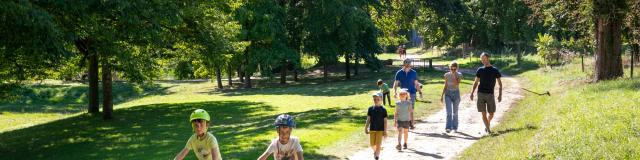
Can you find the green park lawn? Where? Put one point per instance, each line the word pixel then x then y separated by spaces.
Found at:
pixel 580 120
pixel 151 120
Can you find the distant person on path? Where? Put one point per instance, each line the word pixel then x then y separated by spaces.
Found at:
pixel 404 52
pixel 376 125
pixel 451 96
pixel 285 147
pixel 384 89
pixel 203 143
pixel 487 76
pixel 403 117
pixel 400 51
pixel 407 78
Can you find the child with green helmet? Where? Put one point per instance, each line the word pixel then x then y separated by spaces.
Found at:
pixel 203 143
pixel 285 147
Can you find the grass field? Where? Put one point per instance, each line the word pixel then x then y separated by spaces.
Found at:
pixel 580 120
pixel 151 121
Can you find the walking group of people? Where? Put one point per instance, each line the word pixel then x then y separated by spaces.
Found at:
pixel 406 85
pixel 407 80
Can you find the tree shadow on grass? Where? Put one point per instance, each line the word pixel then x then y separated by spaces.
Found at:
pixel 159 131
pixel 70 98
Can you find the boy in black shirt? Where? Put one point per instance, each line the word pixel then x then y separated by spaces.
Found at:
pixel 376 125
pixel 487 77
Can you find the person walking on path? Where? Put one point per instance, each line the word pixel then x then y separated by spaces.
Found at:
pixel 451 96
pixel 384 89
pixel 403 118
pixel 407 78
pixel 399 51
pixel 376 125
pixel 487 76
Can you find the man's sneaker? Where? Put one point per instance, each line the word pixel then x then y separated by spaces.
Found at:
pixel 448 130
pixel 398 147
pixel 405 146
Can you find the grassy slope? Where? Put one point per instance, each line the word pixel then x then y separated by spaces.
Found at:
pixel 154 125
pixel 579 121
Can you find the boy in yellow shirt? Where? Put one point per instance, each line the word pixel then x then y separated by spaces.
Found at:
pixel 203 143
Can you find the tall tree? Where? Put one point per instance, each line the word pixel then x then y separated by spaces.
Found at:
pixel 263 25
pixel 609 16
pixel 126 33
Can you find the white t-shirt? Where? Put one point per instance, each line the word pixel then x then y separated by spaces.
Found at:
pixel 284 151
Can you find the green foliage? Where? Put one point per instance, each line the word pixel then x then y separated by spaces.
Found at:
pixel 576 20
pixel 184 70
pixel 547 47
pixel 31 43
pixel 263 25
pixel 339 28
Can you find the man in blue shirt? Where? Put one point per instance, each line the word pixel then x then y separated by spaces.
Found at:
pixel 407 78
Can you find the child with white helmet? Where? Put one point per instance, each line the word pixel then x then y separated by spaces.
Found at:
pixel 285 147
pixel 203 143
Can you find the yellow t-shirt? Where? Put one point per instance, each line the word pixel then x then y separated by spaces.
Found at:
pixel 202 147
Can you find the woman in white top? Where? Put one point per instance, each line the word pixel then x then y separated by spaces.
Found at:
pixel 451 96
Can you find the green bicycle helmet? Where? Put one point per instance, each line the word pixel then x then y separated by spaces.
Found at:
pixel 199 114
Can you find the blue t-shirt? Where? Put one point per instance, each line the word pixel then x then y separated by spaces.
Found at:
pixel 407 80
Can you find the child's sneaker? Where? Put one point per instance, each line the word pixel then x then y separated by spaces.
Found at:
pixel 398 147
pixel 405 146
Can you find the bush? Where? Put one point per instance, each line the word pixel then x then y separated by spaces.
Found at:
pixel 547 48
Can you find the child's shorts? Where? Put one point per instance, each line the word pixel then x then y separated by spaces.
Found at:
pixel 404 124
pixel 375 137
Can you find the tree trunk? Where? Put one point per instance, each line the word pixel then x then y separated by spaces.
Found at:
pixel 93 83
pixel 247 80
pixel 246 73
pixel 107 96
pixel 582 59
pixel 635 49
pixel 219 76
pixel 635 52
pixel 241 76
pixel 608 48
pixel 347 59
pixel 295 74
pixel 283 72
pixel 325 72
pixel 83 46
pixel 229 76
pixel 357 65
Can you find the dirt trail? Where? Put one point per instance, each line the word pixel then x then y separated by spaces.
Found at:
pixel 429 140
